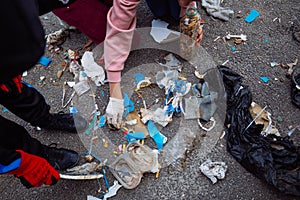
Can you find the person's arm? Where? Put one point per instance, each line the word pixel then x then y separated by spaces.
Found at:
pixel 121 22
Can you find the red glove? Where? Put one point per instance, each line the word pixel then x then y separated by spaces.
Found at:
pixel 16 82
pixel 35 171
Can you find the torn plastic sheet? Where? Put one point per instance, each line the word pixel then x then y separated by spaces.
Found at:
pixel 112 190
pixel 157 136
pixel 129 167
pixel 165 79
pixel 174 152
pixel 92 69
pixel 214 9
pixel 134 136
pixel 213 170
pixel 295 86
pixel 128 105
pixel 81 87
pixel 161 33
pixel 277 166
pixel 172 63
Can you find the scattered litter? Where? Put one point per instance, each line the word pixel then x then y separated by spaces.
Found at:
pixel 92 69
pixel 73 110
pixel 158 137
pixel 241 36
pixel 102 121
pixel 38 128
pixel 81 87
pixel 134 136
pixel 57 37
pixel 129 167
pixel 213 170
pixel 25 73
pixel 72 55
pixel 262 116
pixel 252 16
pixel 214 9
pixel 290 68
pixel 44 61
pixel 264 79
pixel 71 83
pixel 279 119
pixel 273 64
pixel 112 190
pixel 161 33
pixel 59 74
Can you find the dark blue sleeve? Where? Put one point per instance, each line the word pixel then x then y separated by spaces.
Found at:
pixel 9 160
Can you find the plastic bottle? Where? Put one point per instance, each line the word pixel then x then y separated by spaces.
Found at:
pixel 189 29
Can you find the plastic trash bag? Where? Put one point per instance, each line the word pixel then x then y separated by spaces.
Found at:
pixel 272 158
pixel 296 86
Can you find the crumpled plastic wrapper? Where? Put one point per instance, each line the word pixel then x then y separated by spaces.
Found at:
pixel 214 9
pixel 213 170
pixel 92 69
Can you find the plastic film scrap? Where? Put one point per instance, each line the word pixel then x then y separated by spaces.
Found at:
pixel 272 158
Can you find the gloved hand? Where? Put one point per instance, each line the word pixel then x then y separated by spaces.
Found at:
pixel 114 112
pixel 9 86
pixel 35 171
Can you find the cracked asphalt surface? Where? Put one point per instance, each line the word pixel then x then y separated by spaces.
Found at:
pixel 269 39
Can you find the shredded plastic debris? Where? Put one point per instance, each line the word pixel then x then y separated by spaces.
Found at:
pixel 92 69
pixel 129 167
pixel 251 16
pixel 161 33
pixel 213 170
pixel 57 37
pixel 45 61
pixel 214 9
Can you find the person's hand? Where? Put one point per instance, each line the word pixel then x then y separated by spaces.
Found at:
pixel 114 112
pixel 35 171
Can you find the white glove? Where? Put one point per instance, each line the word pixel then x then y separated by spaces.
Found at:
pixel 114 112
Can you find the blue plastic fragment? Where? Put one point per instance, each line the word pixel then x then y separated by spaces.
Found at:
pixel 266 41
pixel 102 121
pixel 5 110
pixel 180 86
pixel 102 93
pixel 233 48
pixel 158 138
pixel 83 74
pixel 170 109
pixel 134 136
pixel 139 77
pixel 252 16
pixel 264 79
pixel 44 61
pixel 73 110
pixel 128 105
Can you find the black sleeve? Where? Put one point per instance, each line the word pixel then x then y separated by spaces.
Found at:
pixel 22 37
pixel 9 160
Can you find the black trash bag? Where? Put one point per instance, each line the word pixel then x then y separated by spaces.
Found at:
pixel 295 91
pixel 272 158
